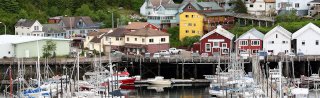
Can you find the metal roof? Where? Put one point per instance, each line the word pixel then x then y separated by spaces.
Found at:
pixel 16 39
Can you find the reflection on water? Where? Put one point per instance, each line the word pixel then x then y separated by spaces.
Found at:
pixel 170 91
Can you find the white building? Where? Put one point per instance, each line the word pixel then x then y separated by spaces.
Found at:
pixel 301 6
pixel 277 40
pixel 260 7
pixel 54 30
pixel 314 7
pixel 28 28
pixel 307 39
pixel 78 26
pixel 28 46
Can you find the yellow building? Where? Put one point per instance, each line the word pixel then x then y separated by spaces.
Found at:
pixel 191 24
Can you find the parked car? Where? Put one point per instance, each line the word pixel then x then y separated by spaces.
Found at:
pixel 174 51
pixel 262 55
pixel 291 54
pixel 244 55
pixel 300 54
pixel 164 52
pixel 147 55
pixel 156 55
pixel 195 54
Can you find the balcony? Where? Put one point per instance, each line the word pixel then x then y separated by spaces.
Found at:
pixel 218 20
pixel 165 21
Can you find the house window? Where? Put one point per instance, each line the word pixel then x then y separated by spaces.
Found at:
pixel 296 5
pixel 189 24
pixel 194 24
pixel 9 52
pixel 255 43
pixel 317 42
pixel 120 38
pixel 251 5
pixel 187 16
pixel 254 51
pixel 271 42
pixel 187 31
pixel 189 7
pixel 260 5
pixel 303 43
pixel 276 35
pixel 142 39
pixel 224 45
pixel 215 44
pixel 117 38
pixel 151 40
pixel 36 28
pixel 192 16
pixel 243 43
pixel 163 39
pixel 135 39
pixel 208 47
pixel 193 31
pixel 127 38
pixel 284 42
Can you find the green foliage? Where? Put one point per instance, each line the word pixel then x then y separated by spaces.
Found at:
pixel 12 10
pixel 49 49
pixel 288 16
pixel 53 11
pixel 174 37
pixel 188 41
pixel 11 6
pixel 240 7
pixel 84 10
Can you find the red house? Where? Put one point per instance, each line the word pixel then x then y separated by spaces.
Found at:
pixel 250 42
pixel 217 41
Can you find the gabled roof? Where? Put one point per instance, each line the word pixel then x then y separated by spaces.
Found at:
pixel 96 39
pixel 25 23
pixel 219 14
pixel 254 32
pixel 119 32
pixel 315 1
pixel 72 21
pixel 200 5
pixel 171 6
pixel 146 32
pixel 136 25
pixel 157 3
pixel 279 29
pixel 52 28
pixel 220 31
pixel 213 5
pixel 303 29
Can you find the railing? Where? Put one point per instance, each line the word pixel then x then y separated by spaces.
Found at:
pixel 216 20
pixel 165 21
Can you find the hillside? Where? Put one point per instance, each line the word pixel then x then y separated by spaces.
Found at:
pixel 13 10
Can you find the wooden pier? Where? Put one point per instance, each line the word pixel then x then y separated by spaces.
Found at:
pixel 172 60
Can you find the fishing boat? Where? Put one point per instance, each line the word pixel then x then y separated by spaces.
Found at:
pixel 159 80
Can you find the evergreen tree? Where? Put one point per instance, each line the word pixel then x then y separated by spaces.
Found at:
pixel 11 6
pixel 240 7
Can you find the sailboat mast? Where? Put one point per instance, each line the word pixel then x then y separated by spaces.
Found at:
pixel 38 64
pixel 78 54
pixel 11 84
